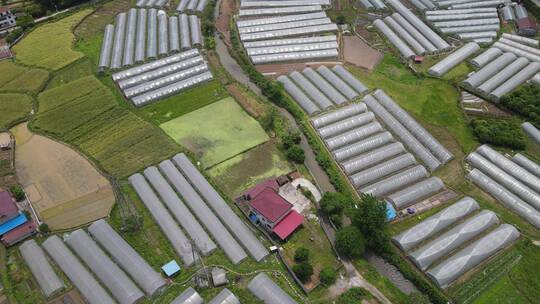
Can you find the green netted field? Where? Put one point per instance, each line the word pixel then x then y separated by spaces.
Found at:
pixel 49 46
pixel 121 142
pixel 216 132
pixel 13 107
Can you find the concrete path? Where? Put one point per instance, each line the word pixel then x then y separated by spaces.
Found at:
pixel 321 179
pixel 308 185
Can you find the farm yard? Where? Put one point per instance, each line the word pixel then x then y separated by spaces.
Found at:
pixel 216 132
pixel 64 188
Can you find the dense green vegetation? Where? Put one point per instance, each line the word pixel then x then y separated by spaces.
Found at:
pixel 525 101
pixel 333 204
pixel 117 139
pixel 503 133
pixel 354 295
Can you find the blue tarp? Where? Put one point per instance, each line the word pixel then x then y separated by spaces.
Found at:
pixel 13 223
pixel 171 268
pixel 390 212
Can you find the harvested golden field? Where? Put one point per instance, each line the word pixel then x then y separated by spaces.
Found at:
pixel 65 189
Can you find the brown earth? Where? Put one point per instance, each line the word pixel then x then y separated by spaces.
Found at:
pixel 359 53
pixel 226 10
pixel 64 188
pixel 95 23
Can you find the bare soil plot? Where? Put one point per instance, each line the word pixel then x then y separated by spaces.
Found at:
pixel 65 189
pixel 216 132
pixel 359 53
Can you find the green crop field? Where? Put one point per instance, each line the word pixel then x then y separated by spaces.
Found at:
pixel 216 132
pixel 13 107
pixel 431 101
pixel 49 46
pixel 243 171
pixel 183 103
pixel 79 69
pixel 18 79
pixel 120 141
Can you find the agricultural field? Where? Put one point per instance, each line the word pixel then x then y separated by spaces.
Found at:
pixel 49 46
pixel 18 79
pixel 14 107
pixel 119 141
pixel 65 189
pixel 216 132
pixel 78 69
pixel 95 23
pixel 432 101
pixel 246 170
pixel 188 101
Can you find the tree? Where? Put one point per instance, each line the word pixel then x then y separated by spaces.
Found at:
pixel 333 203
pixel 301 255
pixel 17 192
pixel 327 276
pixel 525 102
pixel 291 138
pixel 504 133
pixel 370 218
pixel 303 271
pixel 295 154
pixel 350 242
pixel 25 22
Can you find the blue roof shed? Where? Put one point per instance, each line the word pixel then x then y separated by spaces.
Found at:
pixel 13 223
pixel 170 269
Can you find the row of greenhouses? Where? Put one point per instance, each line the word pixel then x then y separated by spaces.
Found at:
pixel 179 198
pixel 377 159
pixel 163 77
pixel 514 183
pixel 320 90
pixel 408 33
pixel 98 262
pixel 478 25
pixel 146 34
pixel 287 34
pixel 510 62
pixel 454 241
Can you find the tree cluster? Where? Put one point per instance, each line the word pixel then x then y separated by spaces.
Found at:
pixel 503 133
pixel 333 204
pixel 302 269
pixel 354 295
pixel 524 101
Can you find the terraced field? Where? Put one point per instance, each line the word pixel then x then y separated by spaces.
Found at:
pixel 15 78
pixel 120 141
pixel 49 46
pixel 13 107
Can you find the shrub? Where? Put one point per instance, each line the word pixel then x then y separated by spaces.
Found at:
pixel 353 296
pixel 17 192
pixel 295 154
pixel 418 298
pixel 525 102
pixel 301 255
pixel 290 139
pixel 16 33
pixel 327 276
pixel 44 228
pixel 504 133
pixel 333 203
pixel 303 271
pixel 350 242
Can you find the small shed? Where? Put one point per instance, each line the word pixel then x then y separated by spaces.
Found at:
pixel 527 27
pixel 171 269
pixel 5 141
pixel 219 276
